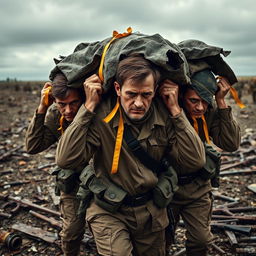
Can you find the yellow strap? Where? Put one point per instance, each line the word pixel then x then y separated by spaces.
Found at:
pixel 236 98
pixel 119 136
pixel 195 124
pixel 205 128
pixel 46 95
pixel 118 145
pixel 115 36
pixel 206 133
pixel 61 124
pixel 109 117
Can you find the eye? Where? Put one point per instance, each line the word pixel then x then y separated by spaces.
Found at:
pixel 194 101
pixel 131 94
pixel 146 94
pixel 74 103
pixel 61 104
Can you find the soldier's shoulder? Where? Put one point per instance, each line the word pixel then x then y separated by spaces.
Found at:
pixel 105 107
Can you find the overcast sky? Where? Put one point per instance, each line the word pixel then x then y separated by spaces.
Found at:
pixel 33 32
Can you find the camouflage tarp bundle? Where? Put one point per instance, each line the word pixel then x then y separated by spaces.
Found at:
pixel 201 56
pixel 85 59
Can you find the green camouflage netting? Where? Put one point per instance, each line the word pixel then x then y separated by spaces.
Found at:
pixel 201 56
pixel 85 59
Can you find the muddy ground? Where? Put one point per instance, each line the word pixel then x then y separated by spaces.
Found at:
pixel 18 102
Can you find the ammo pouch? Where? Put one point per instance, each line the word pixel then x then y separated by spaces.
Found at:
pixel 108 196
pixel 84 195
pixel 165 188
pixel 212 166
pixel 66 179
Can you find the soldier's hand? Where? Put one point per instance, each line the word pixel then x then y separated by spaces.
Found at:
pixel 224 88
pixel 169 91
pixel 93 90
pixel 46 98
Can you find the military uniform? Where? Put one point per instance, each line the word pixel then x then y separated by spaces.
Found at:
pixel 131 230
pixel 43 131
pixel 193 200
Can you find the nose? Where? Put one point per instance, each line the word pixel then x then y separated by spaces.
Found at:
pixel 138 101
pixel 68 109
pixel 200 106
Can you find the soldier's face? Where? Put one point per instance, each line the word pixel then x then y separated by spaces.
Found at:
pixel 194 104
pixel 69 106
pixel 136 98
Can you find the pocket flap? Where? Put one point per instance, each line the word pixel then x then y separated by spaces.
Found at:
pixel 86 175
pixel 114 194
pixel 97 186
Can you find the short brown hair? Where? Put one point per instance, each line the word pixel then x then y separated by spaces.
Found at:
pixel 136 68
pixel 60 88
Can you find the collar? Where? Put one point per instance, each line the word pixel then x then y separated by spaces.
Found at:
pixel 155 119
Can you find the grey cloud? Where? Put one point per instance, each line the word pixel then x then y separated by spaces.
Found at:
pixel 33 31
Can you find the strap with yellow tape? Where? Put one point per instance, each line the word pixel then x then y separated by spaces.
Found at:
pixel 61 124
pixel 115 36
pixel 206 133
pixel 46 95
pixel 119 136
pixel 109 117
pixel 195 124
pixel 205 128
pixel 236 98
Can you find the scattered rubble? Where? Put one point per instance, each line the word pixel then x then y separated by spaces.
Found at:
pixel 29 208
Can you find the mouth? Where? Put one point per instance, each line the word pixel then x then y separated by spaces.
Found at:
pixel 137 111
pixel 68 117
pixel 198 113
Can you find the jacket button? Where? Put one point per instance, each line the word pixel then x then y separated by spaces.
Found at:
pixel 112 195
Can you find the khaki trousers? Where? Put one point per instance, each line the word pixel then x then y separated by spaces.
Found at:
pixel 127 232
pixel 72 227
pixel 196 216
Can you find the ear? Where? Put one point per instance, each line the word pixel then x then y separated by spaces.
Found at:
pixel 117 88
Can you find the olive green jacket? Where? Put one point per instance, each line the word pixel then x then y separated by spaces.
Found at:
pixel 43 130
pixel 225 134
pixel 88 136
pixel 223 128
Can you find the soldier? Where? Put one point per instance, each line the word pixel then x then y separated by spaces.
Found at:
pixel 193 200
pixel 128 215
pixel 47 125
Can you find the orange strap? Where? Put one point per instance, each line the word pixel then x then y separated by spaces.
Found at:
pixel 206 133
pixel 114 36
pixel 236 98
pixel 61 124
pixel 46 95
pixel 195 124
pixel 205 128
pixel 110 116
pixel 119 136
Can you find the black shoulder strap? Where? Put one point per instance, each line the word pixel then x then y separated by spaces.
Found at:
pixel 141 154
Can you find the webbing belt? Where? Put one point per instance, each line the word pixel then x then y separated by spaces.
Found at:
pixel 137 200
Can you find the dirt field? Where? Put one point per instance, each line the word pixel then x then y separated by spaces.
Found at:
pixel 17 103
